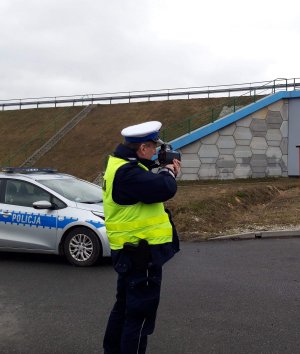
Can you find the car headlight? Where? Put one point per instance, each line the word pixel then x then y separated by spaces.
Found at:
pixel 99 214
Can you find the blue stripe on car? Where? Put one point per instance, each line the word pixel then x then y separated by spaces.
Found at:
pixel 37 220
pixel 97 224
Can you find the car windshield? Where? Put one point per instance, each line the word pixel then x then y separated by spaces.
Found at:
pixel 75 189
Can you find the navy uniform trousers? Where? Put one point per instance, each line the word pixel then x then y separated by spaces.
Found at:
pixel 133 316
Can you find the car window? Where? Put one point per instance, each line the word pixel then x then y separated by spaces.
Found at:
pixel 22 193
pixel 1 190
pixel 75 189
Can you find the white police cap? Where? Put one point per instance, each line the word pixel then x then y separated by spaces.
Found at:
pixel 140 133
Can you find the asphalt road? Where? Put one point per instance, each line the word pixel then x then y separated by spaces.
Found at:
pixel 217 297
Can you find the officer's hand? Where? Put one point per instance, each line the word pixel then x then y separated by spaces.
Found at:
pixel 175 166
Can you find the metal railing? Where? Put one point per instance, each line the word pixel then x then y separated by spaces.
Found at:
pixel 252 89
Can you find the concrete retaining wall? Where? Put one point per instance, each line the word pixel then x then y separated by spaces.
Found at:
pixel 254 146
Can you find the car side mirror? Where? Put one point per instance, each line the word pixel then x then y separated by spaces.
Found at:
pixel 42 204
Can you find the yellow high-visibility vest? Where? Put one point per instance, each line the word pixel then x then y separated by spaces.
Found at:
pixel 130 223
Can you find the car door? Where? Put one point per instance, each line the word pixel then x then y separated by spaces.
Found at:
pixel 21 225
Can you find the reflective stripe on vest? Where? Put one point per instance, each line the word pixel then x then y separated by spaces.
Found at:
pixel 130 223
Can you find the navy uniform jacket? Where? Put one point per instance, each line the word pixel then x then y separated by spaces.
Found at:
pixel 133 184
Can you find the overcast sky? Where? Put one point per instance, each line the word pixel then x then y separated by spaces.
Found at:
pixel 66 47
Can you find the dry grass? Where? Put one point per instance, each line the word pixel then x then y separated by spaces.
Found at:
pixel 205 209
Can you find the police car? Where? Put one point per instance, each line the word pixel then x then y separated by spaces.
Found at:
pixel 43 211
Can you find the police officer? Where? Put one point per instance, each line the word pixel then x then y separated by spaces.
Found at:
pixel 141 234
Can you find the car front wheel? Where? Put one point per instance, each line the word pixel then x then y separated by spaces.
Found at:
pixel 82 247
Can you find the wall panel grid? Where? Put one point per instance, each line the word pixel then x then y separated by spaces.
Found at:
pixel 255 146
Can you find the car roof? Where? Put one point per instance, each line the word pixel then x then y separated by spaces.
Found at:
pixel 33 173
pixel 43 176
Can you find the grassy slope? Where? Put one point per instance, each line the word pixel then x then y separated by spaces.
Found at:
pixel 83 151
pixel 212 208
pixel 24 131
